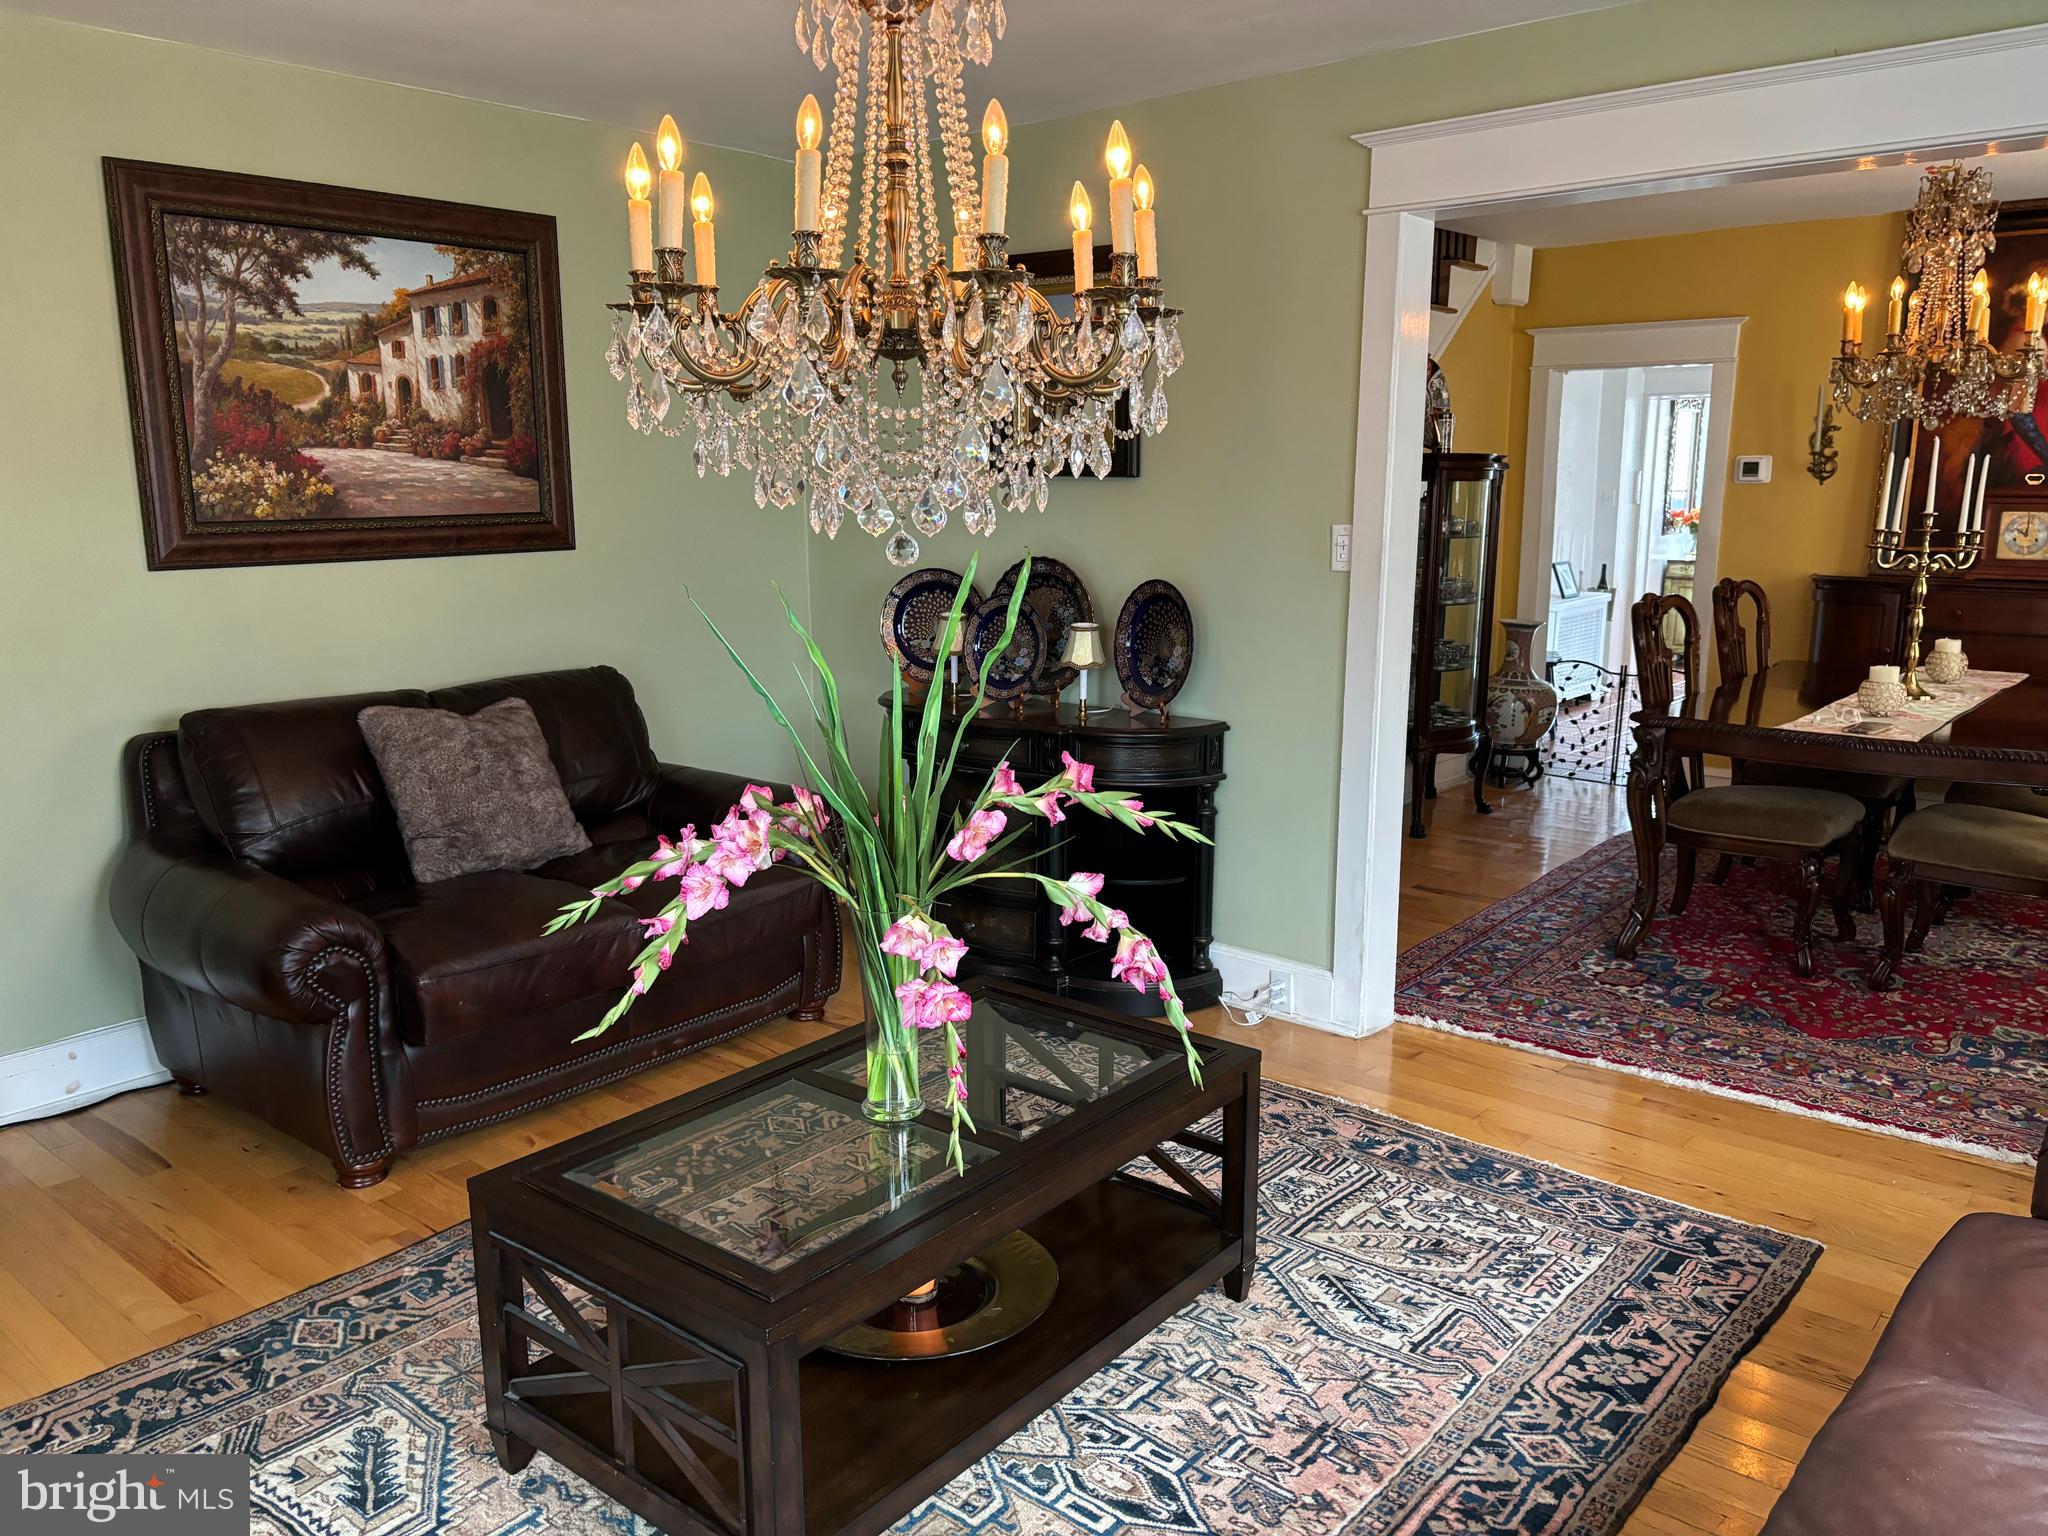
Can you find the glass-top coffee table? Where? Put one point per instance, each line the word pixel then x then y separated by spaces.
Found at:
pixel 666 1303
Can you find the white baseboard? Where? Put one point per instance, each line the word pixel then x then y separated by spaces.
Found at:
pixel 1246 970
pixel 72 1073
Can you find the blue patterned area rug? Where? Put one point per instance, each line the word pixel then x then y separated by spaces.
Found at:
pixel 1442 1338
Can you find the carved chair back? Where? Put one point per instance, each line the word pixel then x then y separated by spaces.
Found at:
pixel 1659 667
pixel 1731 646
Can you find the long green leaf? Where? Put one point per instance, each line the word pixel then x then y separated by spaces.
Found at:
pixel 930 742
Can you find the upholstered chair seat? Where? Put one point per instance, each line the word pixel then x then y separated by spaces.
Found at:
pixel 2002 797
pixel 1978 838
pixel 1768 813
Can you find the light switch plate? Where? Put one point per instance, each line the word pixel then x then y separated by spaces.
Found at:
pixel 1340 546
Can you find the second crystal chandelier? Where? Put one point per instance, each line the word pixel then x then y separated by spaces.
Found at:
pixel 907 380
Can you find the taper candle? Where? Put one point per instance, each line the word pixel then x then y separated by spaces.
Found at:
pixel 1852 312
pixel 810 133
pixel 995 171
pixel 1894 317
pixel 639 212
pixel 1980 306
pixel 1969 484
pixel 1142 194
pixel 1983 484
pixel 1933 478
pixel 1123 233
pixel 672 199
pixel 2037 302
pixel 706 237
pixel 1884 505
pixel 1083 215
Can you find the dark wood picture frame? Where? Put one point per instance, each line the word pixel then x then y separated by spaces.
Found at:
pixel 1052 274
pixel 141 195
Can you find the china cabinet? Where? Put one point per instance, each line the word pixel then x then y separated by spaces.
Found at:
pixel 1458 549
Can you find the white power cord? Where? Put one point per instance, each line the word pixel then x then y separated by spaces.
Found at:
pixel 1254 1007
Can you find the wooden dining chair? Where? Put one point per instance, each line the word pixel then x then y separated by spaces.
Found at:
pixel 1885 797
pixel 1951 847
pixel 1783 823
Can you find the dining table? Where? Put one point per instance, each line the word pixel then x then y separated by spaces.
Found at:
pixel 1755 719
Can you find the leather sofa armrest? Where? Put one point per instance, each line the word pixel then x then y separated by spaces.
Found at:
pixel 697 797
pixel 241 934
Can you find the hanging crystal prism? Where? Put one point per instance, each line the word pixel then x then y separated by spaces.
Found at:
pixel 1132 333
pixel 659 397
pixel 929 514
pixel 1155 412
pixel 901 550
pixel 615 357
pixel 761 324
pixel 975 324
pixel 817 319
pixel 998 394
pixel 1168 346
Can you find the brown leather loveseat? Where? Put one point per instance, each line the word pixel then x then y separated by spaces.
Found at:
pixel 291 966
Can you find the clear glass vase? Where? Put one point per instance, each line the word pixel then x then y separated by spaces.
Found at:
pixel 893 1095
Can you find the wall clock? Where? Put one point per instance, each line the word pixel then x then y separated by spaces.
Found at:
pixel 2022 535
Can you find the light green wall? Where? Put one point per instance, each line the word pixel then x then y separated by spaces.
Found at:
pixel 1234 505
pixel 1262 243
pixel 94 647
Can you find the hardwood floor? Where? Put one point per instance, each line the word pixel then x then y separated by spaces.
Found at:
pixel 136 1222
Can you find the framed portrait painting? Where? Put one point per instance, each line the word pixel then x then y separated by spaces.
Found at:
pixel 317 373
pixel 1052 274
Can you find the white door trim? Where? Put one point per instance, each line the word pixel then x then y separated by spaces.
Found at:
pixel 1964 95
pixel 1656 344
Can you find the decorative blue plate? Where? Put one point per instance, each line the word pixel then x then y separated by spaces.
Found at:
pixel 1016 670
pixel 1154 645
pixel 913 614
pixel 1060 599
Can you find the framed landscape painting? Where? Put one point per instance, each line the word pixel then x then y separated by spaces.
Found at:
pixel 316 373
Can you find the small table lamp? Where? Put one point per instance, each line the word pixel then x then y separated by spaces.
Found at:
pixel 1084 652
pixel 953 658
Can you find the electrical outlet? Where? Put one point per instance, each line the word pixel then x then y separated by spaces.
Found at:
pixel 1340 546
pixel 1279 992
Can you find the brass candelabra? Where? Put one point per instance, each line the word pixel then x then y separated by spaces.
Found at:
pixel 1891 552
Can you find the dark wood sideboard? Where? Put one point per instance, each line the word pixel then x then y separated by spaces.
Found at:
pixel 1860 621
pixel 1165 884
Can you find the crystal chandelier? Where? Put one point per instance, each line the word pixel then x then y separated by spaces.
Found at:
pixel 905 380
pixel 1938 363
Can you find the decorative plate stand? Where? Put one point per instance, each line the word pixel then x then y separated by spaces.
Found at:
pixel 1154 647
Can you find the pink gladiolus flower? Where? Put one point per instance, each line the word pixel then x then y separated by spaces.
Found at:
pixel 907 937
pixel 933 1004
pixel 943 954
pixel 704 890
pixel 1137 962
pixel 1083 885
pixel 972 840
pixel 1135 806
pixel 741 846
pixel 1004 781
pixel 1082 774
pixel 626 883
pixel 674 856
pixel 654 927
pixel 1050 807
pixel 757 797
pixel 804 815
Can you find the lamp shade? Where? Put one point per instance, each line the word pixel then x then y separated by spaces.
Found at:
pixel 1084 647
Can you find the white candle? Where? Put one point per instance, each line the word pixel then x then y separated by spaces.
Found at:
pixel 706 236
pixel 1084 239
pixel 1884 674
pixel 639 213
pixel 1983 483
pixel 1143 192
pixel 995 171
pixel 810 132
pixel 1969 479
pixel 1884 505
pixel 1123 233
pixel 1933 464
pixel 674 199
pixel 1949 647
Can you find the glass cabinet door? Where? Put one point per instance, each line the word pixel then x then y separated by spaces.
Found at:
pixel 1461 578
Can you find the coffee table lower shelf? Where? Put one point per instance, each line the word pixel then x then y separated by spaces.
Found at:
pixel 877 1438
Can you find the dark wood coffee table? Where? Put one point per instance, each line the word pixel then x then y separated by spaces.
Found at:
pixel 655 1297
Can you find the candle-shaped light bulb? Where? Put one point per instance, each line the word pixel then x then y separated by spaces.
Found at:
pixel 1146 222
pixel 1123 229
pixel 1894 320
pixel 995 171
pixel 706 237
pixel 673 202
pixel 810 133
pixel 2037 302
pixel 1082 213
pixel 1852 312
pixel 1980 305
pixel 639 212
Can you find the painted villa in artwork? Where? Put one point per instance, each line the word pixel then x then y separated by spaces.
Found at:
pixel 315 386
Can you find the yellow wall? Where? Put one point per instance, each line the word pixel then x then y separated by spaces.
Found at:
pixel 1786 279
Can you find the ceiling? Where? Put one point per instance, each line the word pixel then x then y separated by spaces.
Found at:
pixel 1887 186
pixel 729 69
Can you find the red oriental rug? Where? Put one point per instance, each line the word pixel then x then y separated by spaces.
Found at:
pixel 1957 1055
